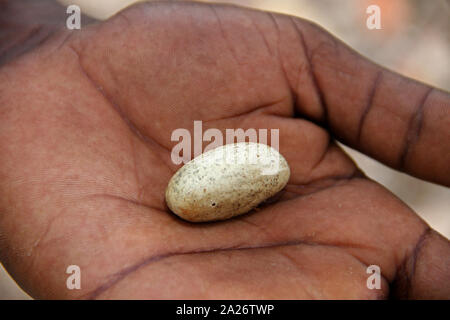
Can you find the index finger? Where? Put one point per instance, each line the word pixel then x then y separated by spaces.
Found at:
pixel 396 120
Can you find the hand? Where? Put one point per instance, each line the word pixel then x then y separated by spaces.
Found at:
pixel 85 124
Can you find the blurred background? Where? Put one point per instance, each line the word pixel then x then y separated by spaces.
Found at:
pixel 414 41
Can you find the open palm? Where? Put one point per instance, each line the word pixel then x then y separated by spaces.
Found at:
pixel 86 123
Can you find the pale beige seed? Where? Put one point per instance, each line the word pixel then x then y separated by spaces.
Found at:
pixel 227 181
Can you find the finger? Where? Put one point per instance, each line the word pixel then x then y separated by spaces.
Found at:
pixel 425 270
pixel 307 147
pixel 396 120
pixel 26 25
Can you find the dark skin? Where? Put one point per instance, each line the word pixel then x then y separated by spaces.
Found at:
pixel 85 124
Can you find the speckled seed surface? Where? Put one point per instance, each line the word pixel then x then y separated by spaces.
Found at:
pixel 227 181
